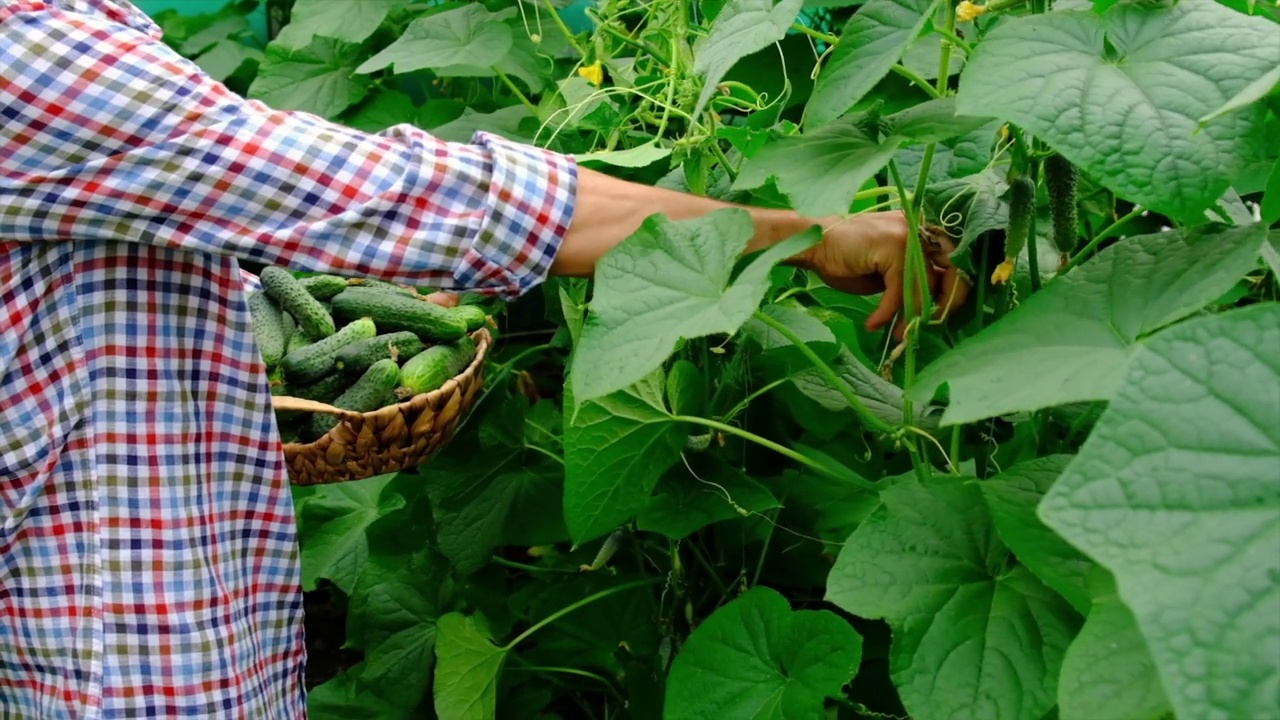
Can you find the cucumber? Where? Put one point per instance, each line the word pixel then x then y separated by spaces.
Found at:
pixel 290 328
pixel 324 390
pixel 376 284
pixel 358 356
pixel 1060 179
pixel 370 392
pixel 394 312
pixel 323 287
pixel 473 315
pixel 1022 202
pixel 268 327
pixel 297 340
pixel 314 361
pixel 431 368
pixel 285 289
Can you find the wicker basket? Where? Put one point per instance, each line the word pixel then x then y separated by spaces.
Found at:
pixel 388 439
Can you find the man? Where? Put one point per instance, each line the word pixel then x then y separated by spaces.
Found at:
pixel 148 565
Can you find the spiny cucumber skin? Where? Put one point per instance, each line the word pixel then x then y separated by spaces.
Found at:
pixel 268 327
pixel 1022 202
pixel 368 393
pixel 290 328
pixel 285 289
pixel 395 312
pixel 316 360
pixel 1061 179
pixel 376 284
pixel 299 339
pixel 358 356
pixel 434 366
pixel 473 315
pixel 323 287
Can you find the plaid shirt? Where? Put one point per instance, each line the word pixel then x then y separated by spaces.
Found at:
pixel 148 559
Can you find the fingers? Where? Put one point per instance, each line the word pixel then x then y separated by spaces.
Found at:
pixel 890 301
pixel 443 298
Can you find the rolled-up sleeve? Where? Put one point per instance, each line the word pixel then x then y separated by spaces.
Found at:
pixel 107 134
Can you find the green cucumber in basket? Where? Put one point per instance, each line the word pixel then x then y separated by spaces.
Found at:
pixel 370 392
pixel 431 368
pixel 473 315
pixel 323 287
pixel 358 356
pixel 376 284
pixel 314 361
pixel 285 289
pixel 268 327
pixel 394 312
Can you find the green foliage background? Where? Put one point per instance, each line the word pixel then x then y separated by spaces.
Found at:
pixel 697 487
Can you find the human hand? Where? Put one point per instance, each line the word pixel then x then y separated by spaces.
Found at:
pixel 866 254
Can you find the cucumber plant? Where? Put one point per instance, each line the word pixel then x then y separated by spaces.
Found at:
pixel 712 492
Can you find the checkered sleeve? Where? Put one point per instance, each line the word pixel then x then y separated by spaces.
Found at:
pixel 109 134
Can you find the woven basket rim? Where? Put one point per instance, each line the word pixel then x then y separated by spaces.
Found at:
pixel 484 342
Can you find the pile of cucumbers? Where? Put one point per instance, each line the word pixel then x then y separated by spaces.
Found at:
pixel 357 344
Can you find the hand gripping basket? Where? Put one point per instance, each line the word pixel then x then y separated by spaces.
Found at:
pixel 389 439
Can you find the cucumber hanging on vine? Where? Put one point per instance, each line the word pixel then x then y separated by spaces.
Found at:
pixel 1022 203
pixel 1060 179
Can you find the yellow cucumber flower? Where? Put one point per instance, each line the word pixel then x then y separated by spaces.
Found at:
pixel 1003 272
pixel 593 73
pixel 967 11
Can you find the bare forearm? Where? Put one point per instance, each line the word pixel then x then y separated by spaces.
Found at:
pixel 608 210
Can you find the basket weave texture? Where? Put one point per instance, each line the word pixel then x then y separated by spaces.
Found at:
pixel 389 439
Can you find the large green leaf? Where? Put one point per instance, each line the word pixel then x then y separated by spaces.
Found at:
pixel 337 19
pixel 1071 341
pixel 467 669
pixel 468 35
pixel 973 636
pixel 401 626
pixel 820 171
pixel 319 78
pixel 1177 492
pixel 1012 497
pixel 741 28
pixel 933 121
pixel 491 486
pixel 332 522
pixel 667 281
pixel 872 42
pixel 615 449
pixel 1108 666
pixel 756 658
pixel 1120 95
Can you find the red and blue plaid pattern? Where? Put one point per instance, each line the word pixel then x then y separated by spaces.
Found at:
pixel 148 559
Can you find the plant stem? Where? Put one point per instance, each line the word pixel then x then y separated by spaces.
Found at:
pixel 568 36
pixel 724 161
pixel 955 39
pixel 944 59
pixel 1097 239
pixel 767 443
pixel 955 447
pixel 574 606
pixel 545 451
pixel 533 109
pixel 637 44
pixel 816 34
pixel 711 571
pixel 742 404
pixel 923 84
pixel 868 419
pixel 768 537
pixel 912 280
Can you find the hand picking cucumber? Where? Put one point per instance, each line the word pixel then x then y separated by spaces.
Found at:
pixel 285 289
pixel 395 312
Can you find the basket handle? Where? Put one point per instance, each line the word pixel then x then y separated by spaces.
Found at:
pixel 296 404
